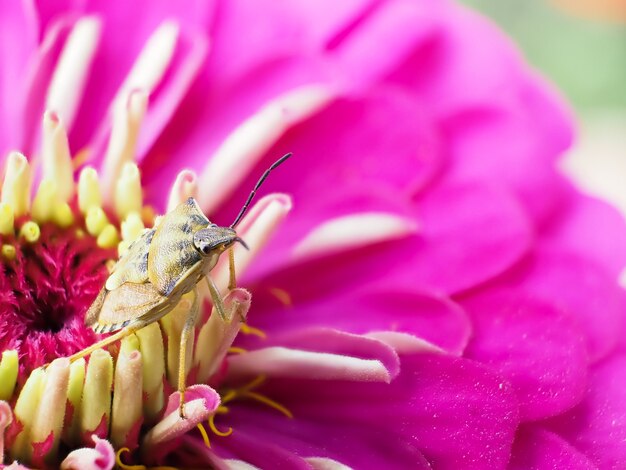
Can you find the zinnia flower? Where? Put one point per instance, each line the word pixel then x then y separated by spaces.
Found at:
pixel 439 296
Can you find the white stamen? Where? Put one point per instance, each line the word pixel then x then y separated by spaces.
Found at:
pixel 152 62
pixel 255 228
pixel 184 187
pixel 16 187
pixel 324 463
pixel 126 122
pixel 248 143
pixel 56 158
pixel 232 464
pixel 284 362
pixel 404 343
pixel 69 78
pixel 353 231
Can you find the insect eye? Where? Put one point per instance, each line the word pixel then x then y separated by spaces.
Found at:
pixel 206 249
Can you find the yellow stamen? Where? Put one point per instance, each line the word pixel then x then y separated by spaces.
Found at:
pixel 229 396
pixel 74 394
pixel 269 402
pixel 30 231
pixel 96 398
pixel 80 233
pixel 122 465
pixel 236 350
pixel 25 410
pixel 9 252
pixel 16 187
pixel 222 410
pixel 217 431
pixel 62 215
pixel 9 366
pixel 251 330
pixel 128 197
pixel 7 219
pixel 96 220
pixel 108 238
pixel 44 201
pixel 282 295
pixel 89 195
pixel 132 227
pixel 205 436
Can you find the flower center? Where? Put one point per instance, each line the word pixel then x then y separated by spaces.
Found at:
pixel 49 277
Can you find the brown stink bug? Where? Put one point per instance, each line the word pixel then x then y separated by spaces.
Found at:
pixel 162 265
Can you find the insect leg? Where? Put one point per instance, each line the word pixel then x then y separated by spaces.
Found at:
pixel 182 352
pixel 105 342
pixel 232 283
pixel 216 297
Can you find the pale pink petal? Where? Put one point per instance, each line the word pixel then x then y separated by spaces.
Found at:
pixel 101 457
pixel 201 401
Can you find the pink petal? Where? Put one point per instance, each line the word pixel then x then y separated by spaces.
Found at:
pixel 429 316
pixel 398 28
pixel 597 426
pixel 534 345
pixel 588 225
pixel 578 286
pixel 537 449
pixel 101 457
pixel 456 412
pixel 18 42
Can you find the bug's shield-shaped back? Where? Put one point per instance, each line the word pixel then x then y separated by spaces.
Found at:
pixel 172 251
pixel 129 303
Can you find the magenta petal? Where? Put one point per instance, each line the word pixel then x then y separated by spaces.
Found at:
pixel 456 412
pixel 429 316
pixel 597 426
pixel 119 51
pixel 534 345
pixel 290 441
pixel 537 449
pixel 344 142
pixel 580 287
pixel 466 245
pixel 18 43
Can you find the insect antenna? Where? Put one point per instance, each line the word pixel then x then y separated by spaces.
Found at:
pixel 274 165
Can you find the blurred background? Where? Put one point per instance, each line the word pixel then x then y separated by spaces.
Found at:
pixel 581 46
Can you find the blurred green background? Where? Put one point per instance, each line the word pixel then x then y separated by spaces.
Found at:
pixel 581 46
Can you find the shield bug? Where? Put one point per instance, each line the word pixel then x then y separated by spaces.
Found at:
pixel 162 265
